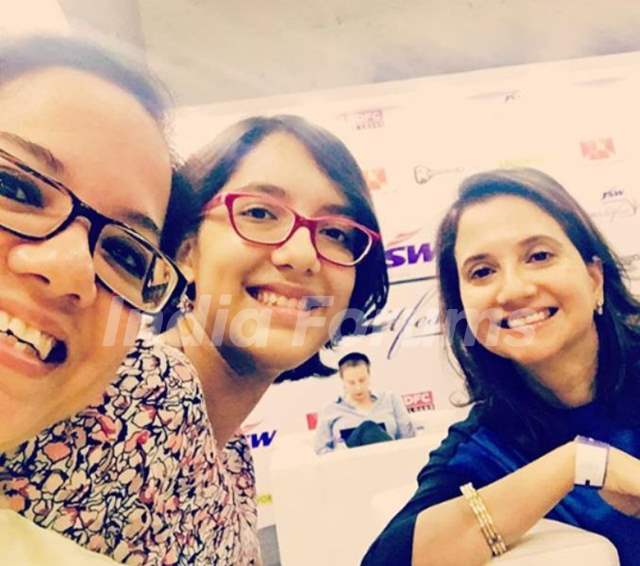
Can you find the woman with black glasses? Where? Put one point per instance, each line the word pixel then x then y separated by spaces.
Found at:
pixel 127 465
pixel 283 252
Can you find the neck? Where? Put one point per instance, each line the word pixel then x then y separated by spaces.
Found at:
pixel 570 379
pixel 231 382
pixel 364 403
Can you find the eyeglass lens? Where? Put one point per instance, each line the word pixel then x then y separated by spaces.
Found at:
pixel 124 262
pixel 264 221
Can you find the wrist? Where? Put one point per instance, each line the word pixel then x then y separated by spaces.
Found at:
pixel 591 462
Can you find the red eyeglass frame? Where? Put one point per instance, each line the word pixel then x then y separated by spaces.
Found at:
pixel 227 199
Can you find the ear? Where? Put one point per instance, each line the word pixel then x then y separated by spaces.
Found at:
pixel 594 268
pixel 186 258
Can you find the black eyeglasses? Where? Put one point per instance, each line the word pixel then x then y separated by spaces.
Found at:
pixel 262 219
pixel 37 207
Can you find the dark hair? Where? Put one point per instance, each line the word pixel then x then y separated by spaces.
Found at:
pixel 32 53
pixel 353 359
pixel 491 379
pixel 210 169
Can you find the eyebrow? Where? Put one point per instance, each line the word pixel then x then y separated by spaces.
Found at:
pixel 523 244
pixel 279 192
pixel 41 153
pixel 53 164
pixel 138 219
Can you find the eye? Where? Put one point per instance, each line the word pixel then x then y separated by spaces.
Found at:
pixel 540 256
pixel 20 190
pixel 258 212
pixel 337 234
pixel 481 272
pixel 125 256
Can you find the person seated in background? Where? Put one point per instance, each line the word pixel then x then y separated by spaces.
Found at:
pixel 361 417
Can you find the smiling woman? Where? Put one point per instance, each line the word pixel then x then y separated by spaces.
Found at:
pixel 106 444
pixel 281 247
pixel 546 333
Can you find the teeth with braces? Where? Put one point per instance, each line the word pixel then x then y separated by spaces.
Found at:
pixel 27 335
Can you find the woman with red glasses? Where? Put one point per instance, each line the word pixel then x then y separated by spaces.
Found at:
pixel 284 254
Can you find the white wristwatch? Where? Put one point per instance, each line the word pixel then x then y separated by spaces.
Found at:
pixel 591 462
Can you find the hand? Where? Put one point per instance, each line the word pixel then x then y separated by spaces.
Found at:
pixel 627 504
pixel 622 483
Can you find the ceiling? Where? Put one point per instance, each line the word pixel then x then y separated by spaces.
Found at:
pixel 211 51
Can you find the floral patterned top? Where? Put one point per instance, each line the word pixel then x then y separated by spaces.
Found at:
pixel 139 477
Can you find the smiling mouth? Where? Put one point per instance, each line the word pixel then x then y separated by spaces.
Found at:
pixel 518 321
pixel 27 338
pixel 271 299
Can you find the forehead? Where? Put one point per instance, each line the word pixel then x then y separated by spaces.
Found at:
pixel 353 371
pixel 282 161
pixel 113 154
pixel 500 223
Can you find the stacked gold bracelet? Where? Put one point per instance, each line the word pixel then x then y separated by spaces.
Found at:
pixel 493 537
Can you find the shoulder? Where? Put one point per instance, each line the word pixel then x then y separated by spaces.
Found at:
pixel 158 373
pixel 334 407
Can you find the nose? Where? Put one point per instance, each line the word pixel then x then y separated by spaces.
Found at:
pixel 298 253
pixel 62 265
pixel 515 287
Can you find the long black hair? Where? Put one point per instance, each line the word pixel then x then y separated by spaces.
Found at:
pixel 492 380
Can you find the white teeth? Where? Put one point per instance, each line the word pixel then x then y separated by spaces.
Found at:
pixel 17 327
pixel 529 319
pixel 32 335
pixel 45 346
pixel 43 343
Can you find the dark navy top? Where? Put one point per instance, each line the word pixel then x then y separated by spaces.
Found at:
pixel 474 452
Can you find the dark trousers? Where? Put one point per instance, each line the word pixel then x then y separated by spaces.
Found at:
pixel 367 432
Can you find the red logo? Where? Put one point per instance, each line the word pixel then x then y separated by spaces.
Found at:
pixel 312 421
pixel 376 178
pixel 600 148
pixel 420 401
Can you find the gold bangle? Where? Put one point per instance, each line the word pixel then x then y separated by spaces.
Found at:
pixel 494 539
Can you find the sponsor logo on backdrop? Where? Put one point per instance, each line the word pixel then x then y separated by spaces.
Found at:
pixel 408 255
pixel 598 148
pixel 376 178
pixel 423 174
pixel 405 326
pixel 420 401
pixel 312 421
pixel 615 204
pixel 365 119
pixel 263 438
pixel 612 193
